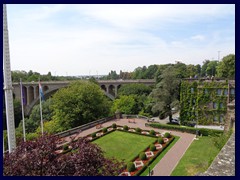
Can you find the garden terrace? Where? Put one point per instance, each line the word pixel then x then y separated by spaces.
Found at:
pixel 126 144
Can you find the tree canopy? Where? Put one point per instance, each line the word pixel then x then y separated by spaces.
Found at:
pixel 126 104
pixel 79 103
pixel 226 67
pixel 39 158
pixel 166 93
pixel 137 89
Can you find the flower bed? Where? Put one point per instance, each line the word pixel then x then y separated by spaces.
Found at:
pixel 140 165
pixel 151 156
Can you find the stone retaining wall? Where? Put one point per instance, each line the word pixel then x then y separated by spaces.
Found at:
pixel 224 163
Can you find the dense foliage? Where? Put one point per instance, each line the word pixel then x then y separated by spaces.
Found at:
pixel 81 102
pixel 160 140
pixel 226 67
pixel 166 93
pixel 152 147
pixel 152 132
pixel 126 104
pixel 38 158
pixel 130 167
pixel 34 76
pixel 207 104
pixel 142 156
pixel 134 89
pixel 192 130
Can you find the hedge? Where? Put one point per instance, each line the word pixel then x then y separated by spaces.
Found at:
pixel 130 167
pixel 153 158
pixel 192 130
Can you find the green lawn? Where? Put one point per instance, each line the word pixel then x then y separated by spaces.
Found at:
pixel 197 158
pixel 153 164
pixel 123 145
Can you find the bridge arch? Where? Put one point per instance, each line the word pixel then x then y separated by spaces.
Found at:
pixel 111 90
pixel 47 94
pixel 30 94
pixel 31 89
pixel 103 87
pixel 45 88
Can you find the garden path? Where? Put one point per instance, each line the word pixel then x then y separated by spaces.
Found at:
pixel 171 158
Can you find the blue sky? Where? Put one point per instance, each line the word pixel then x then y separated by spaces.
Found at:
pixel 95 39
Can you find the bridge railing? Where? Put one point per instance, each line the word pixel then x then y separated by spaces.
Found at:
pixel 78 129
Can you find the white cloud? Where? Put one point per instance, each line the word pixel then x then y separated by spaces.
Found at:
pixel 111 37
pixel 198 37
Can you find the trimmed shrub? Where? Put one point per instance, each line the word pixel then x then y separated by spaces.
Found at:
pixel 160 140
pixel 142 156
pixel 94 135
pixel 65 147
pixel 192 130
pixel 104 130
pixel 152 132
pixel 114 126
pixel 152 147
pixel 125 128
pixel 131 167
pixel 139 130
pixel 167 135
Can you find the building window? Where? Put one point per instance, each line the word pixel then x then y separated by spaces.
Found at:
pixel 215 119
pixel 205 91
pixel 225 92
pixel 214 105
pixel 219 91
pixel 221 119
pixel 221 105
pixel 232 91
pixel 192 90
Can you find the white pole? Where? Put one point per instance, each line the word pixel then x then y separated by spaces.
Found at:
pixel 40 98
pixel 21 90
pixel 8 85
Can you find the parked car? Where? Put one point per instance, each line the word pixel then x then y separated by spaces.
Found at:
pixel 175 121
pixel 191 123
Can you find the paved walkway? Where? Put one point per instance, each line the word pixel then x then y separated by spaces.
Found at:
pixel 171 158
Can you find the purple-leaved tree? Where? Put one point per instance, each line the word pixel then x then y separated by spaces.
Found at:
pixel 39 158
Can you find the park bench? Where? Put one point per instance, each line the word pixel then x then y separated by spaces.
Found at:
pixel 98 126
pixel 150 120
pixel 131 120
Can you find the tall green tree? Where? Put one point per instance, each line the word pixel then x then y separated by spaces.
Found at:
pixel 137 89
pixel 79 103
pixel 181 70
pixel 204 68
pixel 126 104
pixel 150 72
pixel 211 68
pixel 166 93
pixel 226 67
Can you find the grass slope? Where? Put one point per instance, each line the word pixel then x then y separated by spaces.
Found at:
pixel 197 158
pixel 123 145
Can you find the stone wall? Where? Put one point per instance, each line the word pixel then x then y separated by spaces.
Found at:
pixel 224 163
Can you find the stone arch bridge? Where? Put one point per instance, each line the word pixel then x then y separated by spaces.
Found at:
pixel 31 89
